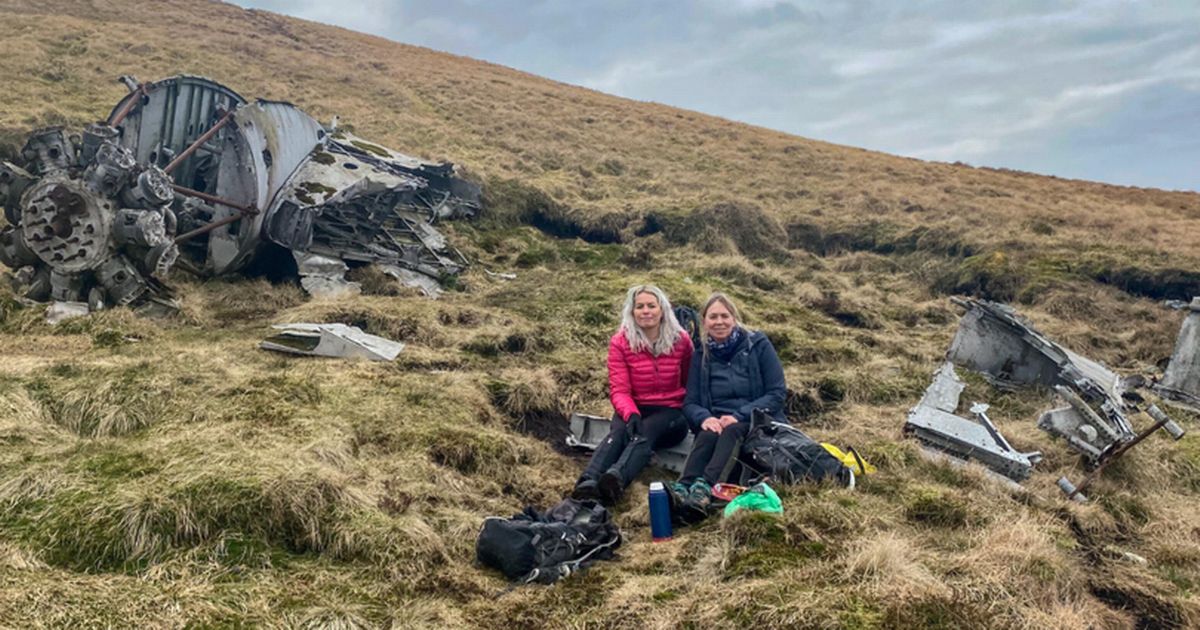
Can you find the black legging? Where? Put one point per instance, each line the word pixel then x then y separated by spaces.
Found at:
pixel 661 427
pixel 714 455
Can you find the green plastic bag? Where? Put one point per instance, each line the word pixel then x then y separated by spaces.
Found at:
pixel 759 498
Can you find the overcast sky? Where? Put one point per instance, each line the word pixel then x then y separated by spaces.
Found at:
pixel 1094 89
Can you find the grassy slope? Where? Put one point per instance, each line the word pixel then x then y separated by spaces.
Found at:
pixel 161 473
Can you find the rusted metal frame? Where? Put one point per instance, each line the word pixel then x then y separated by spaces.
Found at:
pixel 142 92
pixel 212 226
pixel 212 131
pixel 243 212
pixel 1115 455
pixel 188 192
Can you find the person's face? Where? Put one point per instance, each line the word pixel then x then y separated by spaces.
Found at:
pixel 646 311
pixel 719 322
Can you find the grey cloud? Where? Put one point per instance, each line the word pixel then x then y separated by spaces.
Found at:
pixel 1022 84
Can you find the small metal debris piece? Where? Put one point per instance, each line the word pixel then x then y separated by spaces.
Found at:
pixel 502 276
pixel 1180 385
pixel 994 340
pixel 410 278
pixel 59 312
pixel 322 276
pixel 588 431
pixel 331 340
pixel 933 422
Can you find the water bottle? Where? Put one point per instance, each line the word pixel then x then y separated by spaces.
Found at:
pixel 660 512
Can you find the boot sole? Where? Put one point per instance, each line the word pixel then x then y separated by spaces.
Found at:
pixel 691 513
pixel 609 489
pixel 589 493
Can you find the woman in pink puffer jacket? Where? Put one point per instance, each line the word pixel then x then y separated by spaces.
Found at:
pixel 648 360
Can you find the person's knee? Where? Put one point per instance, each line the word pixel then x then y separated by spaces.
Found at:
pixel 706 437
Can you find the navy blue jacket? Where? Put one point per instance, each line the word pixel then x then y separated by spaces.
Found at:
pixel 763 387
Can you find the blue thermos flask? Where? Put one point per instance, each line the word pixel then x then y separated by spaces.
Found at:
pixel 660 512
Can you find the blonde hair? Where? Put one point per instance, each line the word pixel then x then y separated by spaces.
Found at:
pixel 669 330
pixel 729 305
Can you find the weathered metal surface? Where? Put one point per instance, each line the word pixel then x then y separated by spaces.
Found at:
pixel 933 422
pixel 322 276
pixel 1181 382
pixel 588 431
pixel 332 340
pixel 994 340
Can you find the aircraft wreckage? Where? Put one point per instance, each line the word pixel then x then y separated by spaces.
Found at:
pixel 187 173
pixel 1009 352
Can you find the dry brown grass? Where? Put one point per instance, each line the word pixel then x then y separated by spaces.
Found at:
pixel 167 473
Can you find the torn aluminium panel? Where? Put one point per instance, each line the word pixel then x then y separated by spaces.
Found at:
pixel 994 340
pixel 588 431
pixel 934 422
pixel 1180 383
pixel 331 340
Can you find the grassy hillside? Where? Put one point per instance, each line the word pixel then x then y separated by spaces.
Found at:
pixel 159 474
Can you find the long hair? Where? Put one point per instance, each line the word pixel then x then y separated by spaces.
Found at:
pixel 669 329
pixel 733 310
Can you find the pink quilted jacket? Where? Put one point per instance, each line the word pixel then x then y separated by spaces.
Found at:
pixel 640 378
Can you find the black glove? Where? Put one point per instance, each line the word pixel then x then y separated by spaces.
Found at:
pixel 634 424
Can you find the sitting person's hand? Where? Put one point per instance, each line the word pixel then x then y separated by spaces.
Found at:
pixel 712 424
pixel 634 423
pixel 727 420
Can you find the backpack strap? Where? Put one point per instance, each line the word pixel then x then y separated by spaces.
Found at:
pixel 862 466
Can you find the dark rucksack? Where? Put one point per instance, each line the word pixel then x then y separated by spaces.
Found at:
pixel 689 320
pixel 546 547
pixel 787 455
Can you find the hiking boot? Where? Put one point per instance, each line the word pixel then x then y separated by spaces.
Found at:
pixel 676 494
pixel 586 490
pixel 699 499
pixel 610 488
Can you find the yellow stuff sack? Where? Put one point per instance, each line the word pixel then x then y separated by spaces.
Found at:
pixel 850 459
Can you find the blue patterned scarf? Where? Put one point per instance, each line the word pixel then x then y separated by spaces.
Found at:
pixel 725 350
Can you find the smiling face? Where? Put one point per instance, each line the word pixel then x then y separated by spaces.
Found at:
pixel 719 322
pixel 646 312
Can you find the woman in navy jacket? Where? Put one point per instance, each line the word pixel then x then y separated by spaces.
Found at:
pixel 736 372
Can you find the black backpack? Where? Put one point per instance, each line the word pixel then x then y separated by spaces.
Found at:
pixel 786 455
pixel 546 547
pixel 689 320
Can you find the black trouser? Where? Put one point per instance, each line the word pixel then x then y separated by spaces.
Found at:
pixel 713 455
pixel 661 427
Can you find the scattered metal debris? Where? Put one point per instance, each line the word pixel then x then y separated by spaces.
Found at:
pixel 331 340
pixel 1180 385
pixel 187 166
pixel 502 276
pixel 994 340
pixel 588 431
pixel 1161 421
pixel 933 421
